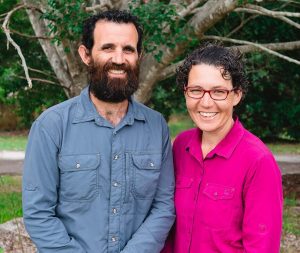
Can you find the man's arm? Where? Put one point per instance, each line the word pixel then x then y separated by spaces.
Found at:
pixel 263 207
pixel 40 184
pixel 151 235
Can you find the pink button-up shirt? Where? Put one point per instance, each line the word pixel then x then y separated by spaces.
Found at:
pixel 229 202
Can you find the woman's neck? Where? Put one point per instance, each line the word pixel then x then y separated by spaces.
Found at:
pixel 211 139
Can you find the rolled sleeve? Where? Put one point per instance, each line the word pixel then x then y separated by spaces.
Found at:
pixel 263 208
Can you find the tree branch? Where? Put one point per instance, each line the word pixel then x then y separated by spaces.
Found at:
pixel 274 14
pixel 43 81
pixel 256 46
pixel 30 36
pixel 15 45
pixel 189 8
pixel 170 70
pixel 240 26
pixel 105 5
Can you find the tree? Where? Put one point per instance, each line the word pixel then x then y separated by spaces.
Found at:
pixel 172 28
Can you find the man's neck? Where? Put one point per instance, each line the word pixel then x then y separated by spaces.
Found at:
pixel 112 112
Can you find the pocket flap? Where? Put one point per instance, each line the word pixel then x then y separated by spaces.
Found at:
pixel 147 162
pixel 216 191
pixel 183 182
pixel 78 162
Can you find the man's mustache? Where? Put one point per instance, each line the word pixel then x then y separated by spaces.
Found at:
pixel 115 66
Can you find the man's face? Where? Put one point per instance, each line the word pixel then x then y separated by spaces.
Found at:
pixel 113 65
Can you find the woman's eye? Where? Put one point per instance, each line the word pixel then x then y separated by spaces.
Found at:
pixel 219 92
pixel 196 91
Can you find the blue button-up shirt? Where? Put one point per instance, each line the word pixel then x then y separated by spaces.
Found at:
pixel 91 187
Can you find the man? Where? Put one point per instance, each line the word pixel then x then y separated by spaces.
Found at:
pixel 98 172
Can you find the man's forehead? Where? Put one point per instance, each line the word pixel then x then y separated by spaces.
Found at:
pixel 111 32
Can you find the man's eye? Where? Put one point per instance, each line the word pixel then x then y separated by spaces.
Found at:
pixel 106 49
pixel 129 50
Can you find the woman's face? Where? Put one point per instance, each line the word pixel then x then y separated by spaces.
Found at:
pixel 209 115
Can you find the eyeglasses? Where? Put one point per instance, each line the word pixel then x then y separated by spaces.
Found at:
pixel 215 94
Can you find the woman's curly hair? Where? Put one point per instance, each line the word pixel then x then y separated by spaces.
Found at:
pixel 228 59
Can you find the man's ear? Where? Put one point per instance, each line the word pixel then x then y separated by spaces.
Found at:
pixel 84 54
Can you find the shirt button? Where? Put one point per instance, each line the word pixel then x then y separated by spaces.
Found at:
pixel 114 210
pixel 113 239
pixel 116 157
pixel 115 184
pixel 151 164
pixel 78 165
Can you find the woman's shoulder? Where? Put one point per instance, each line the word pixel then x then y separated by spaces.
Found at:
pixel 254 145
pixel 185 136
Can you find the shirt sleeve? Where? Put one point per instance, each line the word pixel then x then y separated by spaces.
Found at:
pixel 40 184
pixel 263 203
pixel 151 235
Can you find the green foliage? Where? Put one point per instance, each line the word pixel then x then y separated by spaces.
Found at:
pixel 159 20
pixel 167 98
pixel 179 123
pixel 13 89
pixel 271 109
pixel 66 17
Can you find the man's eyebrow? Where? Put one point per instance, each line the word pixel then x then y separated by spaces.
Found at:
pixel 107 45
pixel 129 47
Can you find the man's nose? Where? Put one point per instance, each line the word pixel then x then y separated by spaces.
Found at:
pixel 118 57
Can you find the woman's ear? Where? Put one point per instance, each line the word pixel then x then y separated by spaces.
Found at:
pixel 238 94
pixel 84 54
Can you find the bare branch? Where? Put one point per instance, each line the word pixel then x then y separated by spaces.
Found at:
pixel 42 72
pixel 43 81
pixel 190 8
pixel 284 46
pixel 30 36
pixel 170 70
pixel 259 47
pixel 275 14
pixel 240 26
pixel 15 45
pixel 105 5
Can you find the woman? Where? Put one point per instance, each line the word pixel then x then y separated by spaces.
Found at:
pixel 228 195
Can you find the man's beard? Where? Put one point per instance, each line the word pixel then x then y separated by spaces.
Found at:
pixel 114 89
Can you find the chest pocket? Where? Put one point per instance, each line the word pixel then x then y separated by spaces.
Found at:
pixel 146 171
pixel 217 205
pixel 78 177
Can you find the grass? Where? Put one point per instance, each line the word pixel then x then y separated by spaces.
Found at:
pixel 291 217
pixel 179 123
pixel 10 198
pixel 13 143
pixel 284 148
pixel 11 205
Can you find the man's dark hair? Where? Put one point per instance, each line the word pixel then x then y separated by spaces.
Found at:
pixel 115 16
pixel 229 59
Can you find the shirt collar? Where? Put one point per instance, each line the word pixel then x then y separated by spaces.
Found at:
pixel 86 110
pixel 225 148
